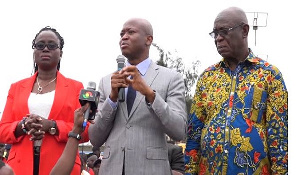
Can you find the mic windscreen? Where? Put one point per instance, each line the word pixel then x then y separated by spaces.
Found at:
pixel 121 62
pixel 91 85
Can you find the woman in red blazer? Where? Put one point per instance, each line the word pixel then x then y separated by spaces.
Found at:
pixel 39 110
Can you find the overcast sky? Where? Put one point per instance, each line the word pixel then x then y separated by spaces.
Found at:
pixel 91 32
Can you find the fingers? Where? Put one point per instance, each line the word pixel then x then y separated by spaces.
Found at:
pixel 129 69
pixel 85 107
pixel 36 134
pixel 34 126
pixel 33 121
pixel 79 114
pixel 118 80
pixel 130 73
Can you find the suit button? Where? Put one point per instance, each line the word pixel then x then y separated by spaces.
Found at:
pixel 128 126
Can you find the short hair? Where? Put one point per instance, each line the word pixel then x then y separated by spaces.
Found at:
pixel 98 161
pixel 90 154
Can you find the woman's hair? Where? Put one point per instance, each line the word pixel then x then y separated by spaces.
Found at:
pixel 61 43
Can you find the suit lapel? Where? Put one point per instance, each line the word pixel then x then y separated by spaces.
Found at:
pixel 61 91
pixel 123 106
pixel 148 78
pixel 26 88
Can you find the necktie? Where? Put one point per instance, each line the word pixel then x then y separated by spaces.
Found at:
pixel 131 93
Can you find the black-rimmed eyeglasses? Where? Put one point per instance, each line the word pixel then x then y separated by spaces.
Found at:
pixel 223 32
pixel 42 45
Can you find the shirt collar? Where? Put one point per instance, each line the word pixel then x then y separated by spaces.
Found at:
pixel 250 58
pixel 142 66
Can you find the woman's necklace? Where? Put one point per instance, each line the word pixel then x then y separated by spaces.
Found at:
pixel 40 88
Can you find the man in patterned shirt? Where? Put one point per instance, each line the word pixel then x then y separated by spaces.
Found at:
pixel 238 122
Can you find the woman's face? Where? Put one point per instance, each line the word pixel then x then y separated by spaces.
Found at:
pixel 47 51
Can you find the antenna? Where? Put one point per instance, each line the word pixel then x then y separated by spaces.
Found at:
pixel 258 20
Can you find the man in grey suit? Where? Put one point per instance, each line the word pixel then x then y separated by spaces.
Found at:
pixel 135 142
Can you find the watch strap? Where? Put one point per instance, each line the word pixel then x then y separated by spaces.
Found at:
pixel 53 130
pixel 53 124
pixel 74 135
pixel 23 125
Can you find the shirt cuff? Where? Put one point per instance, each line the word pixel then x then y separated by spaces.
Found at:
pixel 114 105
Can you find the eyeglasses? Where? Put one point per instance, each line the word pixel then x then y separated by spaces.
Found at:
pixel 42 45
pixel 223 32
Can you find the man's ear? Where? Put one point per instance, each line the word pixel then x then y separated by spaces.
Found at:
pixel 149 40
pixel 245 30
pixel 61 52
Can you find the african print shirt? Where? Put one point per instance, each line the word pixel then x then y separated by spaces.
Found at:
pixel 238 123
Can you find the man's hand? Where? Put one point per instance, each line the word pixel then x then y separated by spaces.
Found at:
pixel 137 82
pixel 117 81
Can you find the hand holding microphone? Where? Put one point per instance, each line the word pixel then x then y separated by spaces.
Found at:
pixel 121 64
pixel 89 95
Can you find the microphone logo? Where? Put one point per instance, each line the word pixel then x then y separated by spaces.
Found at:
pixel 87 95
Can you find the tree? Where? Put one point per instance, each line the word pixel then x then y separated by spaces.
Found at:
pixel 190 75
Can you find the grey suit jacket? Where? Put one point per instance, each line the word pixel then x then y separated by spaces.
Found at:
pixel 138 141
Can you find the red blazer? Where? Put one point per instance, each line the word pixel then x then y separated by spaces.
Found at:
pixel 91 171
pixel 62 111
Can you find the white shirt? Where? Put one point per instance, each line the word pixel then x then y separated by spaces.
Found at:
pixel 41 104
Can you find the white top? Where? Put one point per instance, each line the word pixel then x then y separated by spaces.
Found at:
pixel 84 172
pixel 41 104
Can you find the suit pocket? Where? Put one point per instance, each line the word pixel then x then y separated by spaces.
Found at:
pixel 157 153
pixel 106 153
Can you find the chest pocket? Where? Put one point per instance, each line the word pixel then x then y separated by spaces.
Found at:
pixel 258 107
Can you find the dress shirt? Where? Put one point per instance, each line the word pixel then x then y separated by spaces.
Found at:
pixel 142 67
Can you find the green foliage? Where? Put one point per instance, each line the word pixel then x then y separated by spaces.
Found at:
pixel 190 75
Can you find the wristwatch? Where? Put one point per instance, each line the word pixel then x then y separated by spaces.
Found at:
pixel 74 135
pixel 52 130
pixel 149 105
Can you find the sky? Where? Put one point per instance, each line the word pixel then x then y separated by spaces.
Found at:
pixel 91 31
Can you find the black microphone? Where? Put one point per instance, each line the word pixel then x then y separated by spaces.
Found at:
pixel 121 64
pixel 89 95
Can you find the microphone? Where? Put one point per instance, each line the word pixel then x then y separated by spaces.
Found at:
pixel 121 64
pixel 89 95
